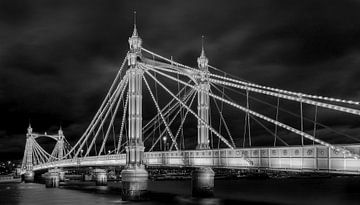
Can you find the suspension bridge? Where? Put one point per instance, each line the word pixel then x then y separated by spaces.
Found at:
pixel 118 135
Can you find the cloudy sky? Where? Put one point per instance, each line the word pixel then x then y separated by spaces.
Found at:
pixel 57 59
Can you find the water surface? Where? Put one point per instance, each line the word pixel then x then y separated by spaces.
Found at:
pixel 318 191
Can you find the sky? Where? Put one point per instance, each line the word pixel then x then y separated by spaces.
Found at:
pixel 58 58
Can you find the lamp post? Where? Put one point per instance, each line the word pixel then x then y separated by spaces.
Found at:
pixel 165 144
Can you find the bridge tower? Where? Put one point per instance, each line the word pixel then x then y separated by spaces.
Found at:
pixel 28 156
pixel 203 178
pixel 60 143
pixel 134 176
pixel 203 101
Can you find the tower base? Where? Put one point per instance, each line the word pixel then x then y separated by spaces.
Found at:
pixel 203 182
pixel 134 183
pixel 29 176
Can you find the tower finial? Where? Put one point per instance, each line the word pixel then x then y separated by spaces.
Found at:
pixel 29 129
pixel 202 60
pixel 135 30
pixel 202 46
pixel 60 131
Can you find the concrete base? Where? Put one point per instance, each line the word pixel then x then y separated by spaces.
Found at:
pixel 29 176
pixel 100 177
pixel 52 179
pixel 134 183
pixel 203 182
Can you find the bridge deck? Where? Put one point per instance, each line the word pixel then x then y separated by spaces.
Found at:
pixel 293 158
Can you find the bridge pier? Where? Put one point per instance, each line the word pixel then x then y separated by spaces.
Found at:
pixel 203 182
pixel 100 177
pixel 134 183
pixel 61 175
pixel 29 176
pixel 52 179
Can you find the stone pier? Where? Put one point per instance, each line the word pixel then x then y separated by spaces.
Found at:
pixel 134 183
pixel 52 178
pixel 62 175
pixel 29 176
pixel 203 182
pixel 100 177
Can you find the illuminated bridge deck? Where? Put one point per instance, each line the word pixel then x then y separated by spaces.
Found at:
pixel 292 158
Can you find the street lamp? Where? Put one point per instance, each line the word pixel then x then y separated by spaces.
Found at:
pixel 164 139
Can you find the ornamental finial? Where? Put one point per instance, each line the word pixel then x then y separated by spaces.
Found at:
pixel 135 33
pixel 202 46
pixel 29 129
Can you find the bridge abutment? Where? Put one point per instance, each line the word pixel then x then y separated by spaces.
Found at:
pixel 100 177
pixel 203 182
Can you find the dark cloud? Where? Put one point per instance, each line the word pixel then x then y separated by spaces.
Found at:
pixel 58 59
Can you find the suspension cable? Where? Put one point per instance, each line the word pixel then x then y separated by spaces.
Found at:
pixel 284 91
pixel 120 91
pixel 122 123
pixel 292 113
pixel 101 107
pixel 166 114
pixel 108 103
pixel 161 115
pixel 221 110
pixel 301 121
pixel 296 131
pixel 248 116
pixel 111 121
pixel 256 120
pixel 191 111
pixel 314 132
pixel 277 119
pixel 288 97
pixel 225 124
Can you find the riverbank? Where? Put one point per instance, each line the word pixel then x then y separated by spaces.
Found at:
pixel 9 179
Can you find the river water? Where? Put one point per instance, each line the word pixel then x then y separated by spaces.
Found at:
pixel 335 190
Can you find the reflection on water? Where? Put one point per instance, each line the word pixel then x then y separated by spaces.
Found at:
pixel 335 190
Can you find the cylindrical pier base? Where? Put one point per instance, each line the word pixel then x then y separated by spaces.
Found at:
pixel 203 182
pixel 29 176
pixel 62 176
pixel 134 183
pixel 52 179
pixel 100 177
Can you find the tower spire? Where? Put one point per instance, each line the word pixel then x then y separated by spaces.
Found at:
pixel 202 60
pixel 29 129
pixel 135 33
pixel 135 40
pixel 202 46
